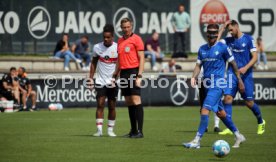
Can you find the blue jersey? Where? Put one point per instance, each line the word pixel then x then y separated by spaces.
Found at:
pixel 213 59
pixel 241 49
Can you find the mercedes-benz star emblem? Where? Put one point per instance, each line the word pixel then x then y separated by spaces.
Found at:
pixel 179 92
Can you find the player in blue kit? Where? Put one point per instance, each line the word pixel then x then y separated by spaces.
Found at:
pixel 212 57
pixel 244 51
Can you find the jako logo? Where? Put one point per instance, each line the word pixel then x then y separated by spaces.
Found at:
pixel 39 22
pixel 119 15
pixel 213 11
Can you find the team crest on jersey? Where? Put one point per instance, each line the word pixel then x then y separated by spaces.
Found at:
pixel 106 57
pixel 127 49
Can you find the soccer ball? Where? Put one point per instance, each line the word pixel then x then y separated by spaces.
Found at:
pixel 59 106
pixel 52 107
pixel 221 148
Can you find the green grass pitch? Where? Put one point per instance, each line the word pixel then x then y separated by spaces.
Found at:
pixel 67 136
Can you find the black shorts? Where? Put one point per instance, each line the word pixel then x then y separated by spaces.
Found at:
pixel 127 82
pixel 7 94
pixel 107 91
pixel 201 95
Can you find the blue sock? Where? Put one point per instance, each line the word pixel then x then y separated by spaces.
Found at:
pixel 204 119
pixel 257 112
pixel 228 109
pixel 229 124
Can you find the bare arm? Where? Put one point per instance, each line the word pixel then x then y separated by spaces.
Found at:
pixel 158 50
pixel 222 29
pixel 6 86
pixel 93 67
pixel 196 70
pixel 30 88
pixel 195 74
pixel 141 56
pixel 253 60
pixel 117 69
pixel 149 48
pixel 73 48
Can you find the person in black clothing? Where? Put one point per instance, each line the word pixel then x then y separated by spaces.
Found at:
pixel 62 50
pixel 26 89
pixel 10 86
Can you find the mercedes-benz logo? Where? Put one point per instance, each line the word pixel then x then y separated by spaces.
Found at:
pixel 119 15
pixel 178 92
pixel 39 22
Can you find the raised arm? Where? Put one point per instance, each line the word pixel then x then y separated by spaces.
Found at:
pixel 222 29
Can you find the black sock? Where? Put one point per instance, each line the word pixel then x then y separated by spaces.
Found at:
pixel 132 118
pixel 139 117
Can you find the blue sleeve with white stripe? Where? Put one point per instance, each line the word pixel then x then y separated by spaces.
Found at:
pixel 199 59
pixel 227 54
pixel 251 44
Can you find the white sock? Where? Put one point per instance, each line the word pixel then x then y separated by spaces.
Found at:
pixel 197 137
pixel 99 123
pixel 111 124
pixel 216 119
pixel 237 133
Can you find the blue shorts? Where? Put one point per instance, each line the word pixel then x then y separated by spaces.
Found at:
pixel 232 87
pixel 212 99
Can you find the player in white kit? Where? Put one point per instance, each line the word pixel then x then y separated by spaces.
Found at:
pixel 104 63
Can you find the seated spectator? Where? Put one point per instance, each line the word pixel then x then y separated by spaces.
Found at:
pixel 2 99
pixel 62 50
pixel 10 86
pixel 169 67
pixel 26 89
pixel 153 50
pixel 81 50
pixel 261 54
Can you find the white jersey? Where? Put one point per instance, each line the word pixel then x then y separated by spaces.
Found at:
pixel 106 65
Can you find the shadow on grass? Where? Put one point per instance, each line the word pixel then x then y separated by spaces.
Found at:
pixel 217 159
pixel 180 145
pixel 104 136
pixel 186 131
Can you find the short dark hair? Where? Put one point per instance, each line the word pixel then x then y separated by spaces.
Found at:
pixel 259 39
pixel 85 36
pixel 213 26
pixel 233 23
pixel 23 69
pixel 181 4
pixel 12 68
pixel 108 28
pixel 65 34
pixel 126 19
